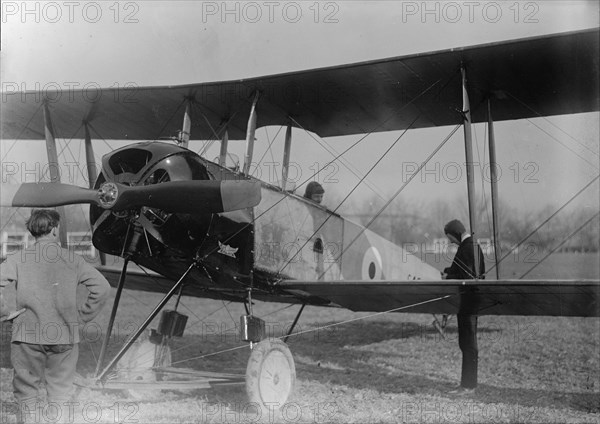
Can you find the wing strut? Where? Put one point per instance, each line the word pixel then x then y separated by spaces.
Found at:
pixel 466 113
pixel 494 184
pixel 184 136
pixel 91 169
pixel 113 314
pixel 250 135
pixel 286 157
pixel 291 330
pixel 223 151
pixel 89 156
pixel 54 171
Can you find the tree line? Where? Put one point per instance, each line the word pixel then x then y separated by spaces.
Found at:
pixel 419 222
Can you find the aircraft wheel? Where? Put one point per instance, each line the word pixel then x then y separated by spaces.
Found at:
pixel 137 364
pixel 270 374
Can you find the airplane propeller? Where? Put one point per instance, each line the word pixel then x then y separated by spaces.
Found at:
pixel 192 196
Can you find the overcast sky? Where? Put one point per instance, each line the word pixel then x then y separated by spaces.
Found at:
pixel 178 42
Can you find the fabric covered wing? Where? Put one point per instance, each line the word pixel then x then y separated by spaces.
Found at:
pixel 540 76
pixel 497 297
pixel 142 279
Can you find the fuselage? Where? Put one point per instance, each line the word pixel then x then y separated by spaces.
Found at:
pixel 284 237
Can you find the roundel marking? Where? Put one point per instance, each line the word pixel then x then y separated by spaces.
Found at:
pixel 372 265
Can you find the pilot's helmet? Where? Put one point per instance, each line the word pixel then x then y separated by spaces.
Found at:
pixel 313 188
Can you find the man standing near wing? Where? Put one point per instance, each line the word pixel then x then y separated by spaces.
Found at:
pixel 463 268
pixel 45 339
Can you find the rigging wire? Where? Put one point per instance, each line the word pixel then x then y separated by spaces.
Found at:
pixel 544 222
pixel 200 321
pixel 564 145
pixel 62 154
pixel 229 313
pixel 145 271
pixel 89 124
pixel 315 232
pixel 270 143
pixel 560 244
pixel 268 149
pixel 76 159
pixel 400 308
pixel 222 126
pixel 168 121
pixel 347 165
pixel 18 137
pixel 340 156
pixel 208 144
pixel 362 230
pixel 10 218
pixel 318 171
pixel 217 310
pixel 551 123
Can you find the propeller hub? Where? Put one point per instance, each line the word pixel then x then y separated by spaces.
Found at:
pixel 108 194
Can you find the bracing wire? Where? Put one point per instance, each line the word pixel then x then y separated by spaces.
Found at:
pixel 545 221
pixel 340 155
pixel 18 137
pixel 349 194
pixel 581 227
pixel 394 195
pixel 400 308
pixel 554 125
pixel 170 118
pixel 271 141
pixel 89 124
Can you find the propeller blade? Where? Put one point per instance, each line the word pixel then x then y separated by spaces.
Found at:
pixel 195 196
pixel 45 195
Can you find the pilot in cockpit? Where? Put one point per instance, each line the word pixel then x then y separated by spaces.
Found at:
pixel 314 191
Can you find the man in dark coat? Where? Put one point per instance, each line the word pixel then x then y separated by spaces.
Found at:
pixel 463 268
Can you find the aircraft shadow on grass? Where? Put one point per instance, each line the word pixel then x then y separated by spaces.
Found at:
pixel 344 357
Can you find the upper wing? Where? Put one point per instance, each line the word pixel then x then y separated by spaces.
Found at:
pixel 539 76
pixel 482 297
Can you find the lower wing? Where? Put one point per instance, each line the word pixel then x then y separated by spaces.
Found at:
pixel 480 297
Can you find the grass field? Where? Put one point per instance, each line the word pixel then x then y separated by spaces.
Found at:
pixel 386 368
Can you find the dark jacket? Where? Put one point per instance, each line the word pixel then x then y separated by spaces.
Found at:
pixel 463 266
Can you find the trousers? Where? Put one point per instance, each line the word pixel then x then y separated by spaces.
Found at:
pixel 467 341
pixel 43 371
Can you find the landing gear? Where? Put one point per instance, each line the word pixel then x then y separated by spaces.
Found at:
pixel 270 375
pixel 140 364
pixel 143 368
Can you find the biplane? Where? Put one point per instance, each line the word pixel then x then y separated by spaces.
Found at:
pixel 208 229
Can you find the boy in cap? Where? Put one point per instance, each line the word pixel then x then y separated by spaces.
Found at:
pixel 45 336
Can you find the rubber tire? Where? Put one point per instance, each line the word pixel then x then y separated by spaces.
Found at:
pixel 270 374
